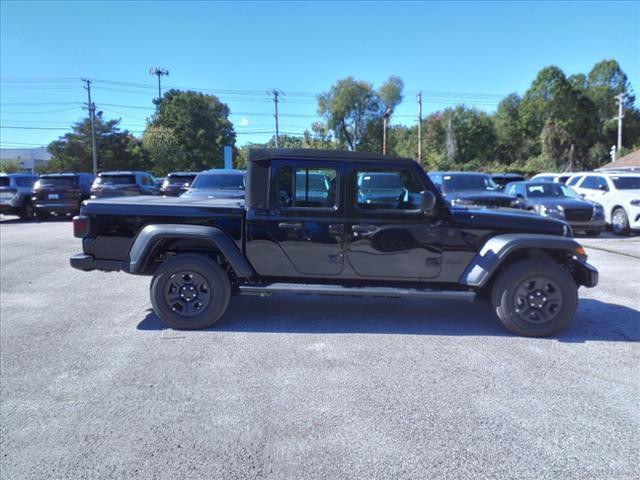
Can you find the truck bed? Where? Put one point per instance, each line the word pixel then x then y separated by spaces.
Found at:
pixel 115 222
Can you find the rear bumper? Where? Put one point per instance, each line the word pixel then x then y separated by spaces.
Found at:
pixel 58 207
pixel 585 274
pixel 87 263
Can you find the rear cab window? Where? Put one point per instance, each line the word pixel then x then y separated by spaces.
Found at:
pixel 306 187
pixel 5 181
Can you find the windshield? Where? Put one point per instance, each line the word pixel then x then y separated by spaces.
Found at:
pixel 216 181
pixel 626 183
pixel 5 181
pixel 461 182
pixel 117 179
pixel 180 179
pixel 555 190
pixel 56 182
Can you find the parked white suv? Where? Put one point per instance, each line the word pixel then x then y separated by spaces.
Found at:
pixel 552 177
pixel 619 195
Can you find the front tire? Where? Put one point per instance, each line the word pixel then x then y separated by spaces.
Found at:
pixel 620 222
pixel 535 298
pixel 190 291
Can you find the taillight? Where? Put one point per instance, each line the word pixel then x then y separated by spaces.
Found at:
pixel 80 226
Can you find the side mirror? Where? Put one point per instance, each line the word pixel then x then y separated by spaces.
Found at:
pixel 603 188
pixel 427 203
pixel 519 195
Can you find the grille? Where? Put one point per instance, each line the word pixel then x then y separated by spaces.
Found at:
pixel 578 215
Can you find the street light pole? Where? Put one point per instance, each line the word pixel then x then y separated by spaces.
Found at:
pixel 419 98
pixel 159 72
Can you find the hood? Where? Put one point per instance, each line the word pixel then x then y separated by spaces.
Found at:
pixel 480 197
pixel 508 221
pixel 566 203
pixel 218 193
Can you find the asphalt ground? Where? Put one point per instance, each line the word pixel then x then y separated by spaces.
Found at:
pixel 305 387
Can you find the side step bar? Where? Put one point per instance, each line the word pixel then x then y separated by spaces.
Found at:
pixel 389 292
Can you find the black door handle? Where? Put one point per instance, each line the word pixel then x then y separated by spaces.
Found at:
pixel 363 229
pixel 290 225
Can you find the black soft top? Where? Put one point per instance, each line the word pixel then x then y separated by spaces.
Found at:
pixel 259 160
pixel 266 154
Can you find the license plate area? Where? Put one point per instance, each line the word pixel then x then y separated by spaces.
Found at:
pixel 54 196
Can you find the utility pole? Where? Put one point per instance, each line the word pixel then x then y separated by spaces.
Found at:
pixel 619 98
pixel 385 117
pixel 276 94
pixel 159 72
pixel 419 97
pixel 92 116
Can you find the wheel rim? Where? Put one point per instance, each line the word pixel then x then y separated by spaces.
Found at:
pixel 187 293
pixel 618 221
pixel 538 300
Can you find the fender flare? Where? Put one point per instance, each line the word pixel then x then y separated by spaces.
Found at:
pixel 150 235
pixel 497 248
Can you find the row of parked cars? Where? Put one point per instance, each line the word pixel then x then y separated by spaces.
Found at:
pixel 29 196
pixel 588 201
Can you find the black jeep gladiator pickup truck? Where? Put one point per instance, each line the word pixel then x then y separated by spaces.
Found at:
pixel 314 222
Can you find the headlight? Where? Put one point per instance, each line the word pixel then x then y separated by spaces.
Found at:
pixel 635 203
pixel 551 211
pixel 598 211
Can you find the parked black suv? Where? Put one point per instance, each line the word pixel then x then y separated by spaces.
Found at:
pixel 284 239
pixel 176 183
pixel 124 184
pixel 15 194
pixel 471 188
pixel 60 193
pixel 501 179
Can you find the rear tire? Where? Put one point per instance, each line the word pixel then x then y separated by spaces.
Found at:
pixel 41 216
pixel 620 222
pixel 190 291
pixel 535 298
pixel 27 212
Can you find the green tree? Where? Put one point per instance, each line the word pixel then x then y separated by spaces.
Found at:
pixel 117 150
pixel 188 132
pixel 10 166
pixel 347 108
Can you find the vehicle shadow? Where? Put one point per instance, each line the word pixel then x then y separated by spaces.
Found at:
pixel 5 220
pixel 309 314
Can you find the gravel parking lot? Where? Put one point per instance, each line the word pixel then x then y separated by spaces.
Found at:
pixel 305 387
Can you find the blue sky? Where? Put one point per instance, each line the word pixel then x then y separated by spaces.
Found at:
pixel 461 52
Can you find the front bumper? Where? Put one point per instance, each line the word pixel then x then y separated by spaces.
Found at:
pixel 585 274
pixel 634 217
pixel 598 224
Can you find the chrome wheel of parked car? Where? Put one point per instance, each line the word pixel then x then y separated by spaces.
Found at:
pixel 620 222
